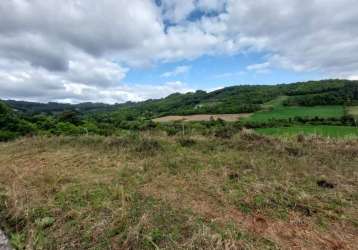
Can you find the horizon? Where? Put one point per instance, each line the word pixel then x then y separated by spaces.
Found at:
pixel 192 91
pixel 118 51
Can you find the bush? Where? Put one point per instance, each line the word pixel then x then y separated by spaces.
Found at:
pixel 225 132
pixel 7 136
pixel 66 128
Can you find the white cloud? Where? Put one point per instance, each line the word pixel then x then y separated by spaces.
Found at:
pixel 126 93
pixel 177 10
pixel 19 80
pixel 353 77
pixel 230 74
pixel 301 35
pixel 82 50
pixel 260 67
pixel 177 71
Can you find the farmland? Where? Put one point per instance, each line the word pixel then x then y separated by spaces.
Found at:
pixel 188 118
pixel 324 131
pixel 282 112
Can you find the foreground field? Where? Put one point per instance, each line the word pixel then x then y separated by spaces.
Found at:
pixel 158 192
pixel 326 131
pixel 192 118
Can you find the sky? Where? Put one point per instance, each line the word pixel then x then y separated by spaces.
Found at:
pixel 115 51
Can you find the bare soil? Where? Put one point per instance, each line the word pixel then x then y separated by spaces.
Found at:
pixel 189 118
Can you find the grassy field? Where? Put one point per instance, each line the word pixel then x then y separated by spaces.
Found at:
pixel 282 112
pixel 326 131
pixel 275 102
pixel 151 191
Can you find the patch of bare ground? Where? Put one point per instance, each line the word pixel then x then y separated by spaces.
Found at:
pixel 192 118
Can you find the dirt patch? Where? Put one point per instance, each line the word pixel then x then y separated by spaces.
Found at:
pixel 192 118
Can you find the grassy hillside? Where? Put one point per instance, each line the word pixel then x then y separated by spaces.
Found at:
pixel 236 99
pixel 151 191
pixel 251 98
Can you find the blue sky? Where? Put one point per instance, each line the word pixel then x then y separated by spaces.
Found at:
pixel 115 51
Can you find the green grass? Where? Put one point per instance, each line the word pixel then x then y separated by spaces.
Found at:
pixel 275 102
pixel 282 112
pixel 326 131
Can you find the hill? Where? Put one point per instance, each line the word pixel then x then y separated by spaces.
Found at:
pixel 329 102
pixel 230 100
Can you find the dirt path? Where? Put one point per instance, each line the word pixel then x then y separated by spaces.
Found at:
pixel 4 243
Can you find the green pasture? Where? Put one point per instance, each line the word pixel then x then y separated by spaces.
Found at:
pixel 325 131
pixel 284 112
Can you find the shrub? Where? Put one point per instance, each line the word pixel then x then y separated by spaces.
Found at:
pixel 66 128
pixel 224 132
pixel 7 135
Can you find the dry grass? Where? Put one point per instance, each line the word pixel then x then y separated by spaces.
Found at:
pixel 352 110
pixel 151 192
pixel 192 118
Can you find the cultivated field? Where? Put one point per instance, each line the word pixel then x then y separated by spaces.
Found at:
pixel 151 191
pixel 189 118
pixel 282 112
pixel 320 130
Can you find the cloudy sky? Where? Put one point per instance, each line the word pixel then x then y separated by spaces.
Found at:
pixel 119 50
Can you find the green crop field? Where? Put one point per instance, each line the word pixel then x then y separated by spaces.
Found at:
pixel 283 112
pixel 327 131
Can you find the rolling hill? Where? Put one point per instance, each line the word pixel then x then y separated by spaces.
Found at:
pixel 229 100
